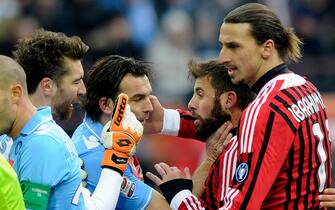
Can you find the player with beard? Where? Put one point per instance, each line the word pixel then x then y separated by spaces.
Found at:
pixel 44 157
pixel 52 63
pixel 215 101
pixel 283 153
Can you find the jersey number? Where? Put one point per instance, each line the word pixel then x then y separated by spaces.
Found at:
pixel 321 151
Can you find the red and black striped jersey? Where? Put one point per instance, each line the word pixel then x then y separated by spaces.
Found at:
pixel 284 148
pixel 283 153
pixel 219 176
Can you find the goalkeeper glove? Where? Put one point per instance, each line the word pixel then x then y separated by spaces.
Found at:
pixel 120 136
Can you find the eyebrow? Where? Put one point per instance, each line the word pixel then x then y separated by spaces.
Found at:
pixel 198 89
pixel 140 95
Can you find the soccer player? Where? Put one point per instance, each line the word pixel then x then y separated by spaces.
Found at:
pixel 10 191
pixel 283 154
pixel 53 62
pixel 110 76
pixel 215 101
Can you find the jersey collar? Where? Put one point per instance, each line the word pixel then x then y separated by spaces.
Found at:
pixel 95 128
pixel 42 115
pixel 280 69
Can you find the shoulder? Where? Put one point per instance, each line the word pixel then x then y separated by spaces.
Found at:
pixel 84 141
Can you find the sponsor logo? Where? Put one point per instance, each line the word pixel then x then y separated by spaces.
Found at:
pixel 120 111
pixel 242 172
pixel 128 187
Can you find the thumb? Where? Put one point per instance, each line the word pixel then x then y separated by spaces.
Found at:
pixel 187 173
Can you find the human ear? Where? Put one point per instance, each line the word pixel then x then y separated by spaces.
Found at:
pixel 268 48
pixel 106 105
pixel 47 85
pixel 228 99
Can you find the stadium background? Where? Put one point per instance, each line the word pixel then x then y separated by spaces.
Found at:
pixel 168 33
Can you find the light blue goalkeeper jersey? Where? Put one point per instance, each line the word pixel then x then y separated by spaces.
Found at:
pixel 43 153
pixel 87 139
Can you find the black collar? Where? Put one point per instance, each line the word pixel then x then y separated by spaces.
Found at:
pixel 280 69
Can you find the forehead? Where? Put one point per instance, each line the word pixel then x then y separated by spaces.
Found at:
pixel 74 69
pixel 204 84
pixel 235 32
pixel 132 85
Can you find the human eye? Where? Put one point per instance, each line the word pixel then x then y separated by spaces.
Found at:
pixel 232 45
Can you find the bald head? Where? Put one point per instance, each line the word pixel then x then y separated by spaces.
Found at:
pixel 11 73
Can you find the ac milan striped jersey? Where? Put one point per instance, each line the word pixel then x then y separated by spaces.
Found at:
pixel 284 147
pixel 283 151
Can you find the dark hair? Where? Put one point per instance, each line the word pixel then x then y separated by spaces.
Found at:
pixel 266 25
pixel 220 80
pixel 42 55
pixel 104 78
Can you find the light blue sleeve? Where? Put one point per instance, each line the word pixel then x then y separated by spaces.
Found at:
pixel 43 161
pixel 141 196
pixel 46 161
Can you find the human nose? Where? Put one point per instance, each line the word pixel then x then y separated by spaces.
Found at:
pixel 191 104
pixel 148 105
pixel 223 57
pixel 81 89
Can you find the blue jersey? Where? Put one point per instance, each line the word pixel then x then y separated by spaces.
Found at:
pixel 87 139
pixel 43 153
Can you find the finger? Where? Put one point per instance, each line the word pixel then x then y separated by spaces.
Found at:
pixel 326 197
pixel 160 170
pixel 327 204
pixel 187 173
pixel 220 130
pixel 154 178
pixel 165 167
pixel 329 191
pixel 226 141
pixel 153 99
pixel 225 133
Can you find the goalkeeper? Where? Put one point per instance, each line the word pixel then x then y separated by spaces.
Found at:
pixel 105 80
pixel 44 157
pixel 10 191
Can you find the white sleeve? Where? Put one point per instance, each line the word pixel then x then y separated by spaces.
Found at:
pixel 171 122
pixel 106 194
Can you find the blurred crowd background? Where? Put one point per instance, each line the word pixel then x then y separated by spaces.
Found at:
pixel 168 33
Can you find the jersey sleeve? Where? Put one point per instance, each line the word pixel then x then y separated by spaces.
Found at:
pixel 265 139
pixel 178 123
pixel 185 200
pixel 44 161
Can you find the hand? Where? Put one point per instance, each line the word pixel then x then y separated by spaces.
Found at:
pixel 155 122
pixel 217 141
pixel 327 198
pixel 168 173
pixel 120 135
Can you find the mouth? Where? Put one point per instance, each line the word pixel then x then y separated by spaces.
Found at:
pixel 231 69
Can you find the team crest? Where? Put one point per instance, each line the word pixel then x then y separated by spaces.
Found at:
pixel 242 172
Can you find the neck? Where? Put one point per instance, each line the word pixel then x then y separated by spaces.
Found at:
pixel 236 113
pixel 25 112
pixel 265 66
pixel 38 99
pixel 104 119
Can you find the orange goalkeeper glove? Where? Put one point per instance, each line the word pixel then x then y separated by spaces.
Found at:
pixel 120 135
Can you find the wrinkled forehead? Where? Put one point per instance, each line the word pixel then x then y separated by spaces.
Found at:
pixel 135 85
